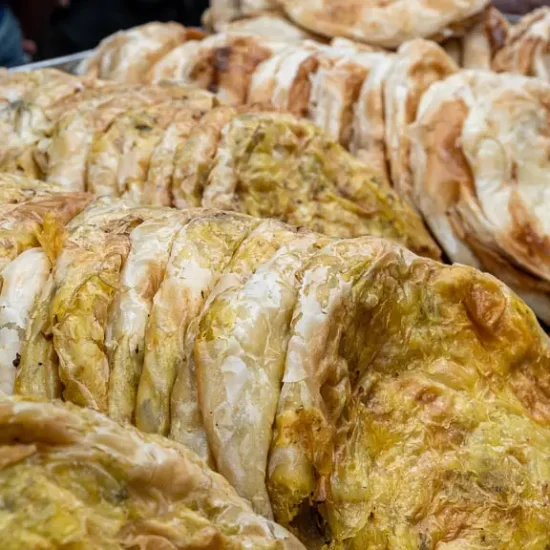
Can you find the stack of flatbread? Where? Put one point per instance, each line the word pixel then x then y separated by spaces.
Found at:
pixel 347 388
pixel 481 176
pixel 167 144
pixel 128 55
pixel 387 24
pixel 131 56
pixel 361 96
pixel 355 392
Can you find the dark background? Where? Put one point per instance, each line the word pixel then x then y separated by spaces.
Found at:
pixel 60 30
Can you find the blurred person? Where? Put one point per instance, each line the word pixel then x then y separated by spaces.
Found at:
pixel 80 25
pixel 12 53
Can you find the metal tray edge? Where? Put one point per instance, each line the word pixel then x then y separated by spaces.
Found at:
pixel 67 63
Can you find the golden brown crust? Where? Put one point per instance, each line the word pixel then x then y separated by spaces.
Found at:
pixel 337 85
pixel 361 364
pixel 234 65
pixel 223 63
pixel 369 124
pixel 286 78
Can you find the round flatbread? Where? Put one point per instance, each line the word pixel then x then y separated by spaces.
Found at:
pixel 386 23
pixel 479 176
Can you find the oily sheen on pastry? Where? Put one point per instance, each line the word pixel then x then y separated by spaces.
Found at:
pixel 361 364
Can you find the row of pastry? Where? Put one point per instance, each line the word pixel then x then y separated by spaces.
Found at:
pixel 171 152
pixel 474 33
pixel 314 373
pixel 484 41
pixel 173 145
pixel 72 477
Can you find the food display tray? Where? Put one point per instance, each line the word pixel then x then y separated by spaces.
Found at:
pixel 67 63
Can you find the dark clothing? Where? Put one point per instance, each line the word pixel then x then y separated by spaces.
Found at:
pixel 11 40
pixel 86 22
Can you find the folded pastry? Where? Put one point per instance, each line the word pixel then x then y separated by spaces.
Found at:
pixel 216 245
pixel 367 140
pixel 386 24
pixel 78 135
pixel 25 103
pixel 417 65
pixel 118 164
pixel 199 254
pixel 21 282
pixel 15 189
pixel 285 79
pixel 525 50
pixel 238 379
pixel 23 220
pixel 140 279
pixel 222 63
pixel 71 315
pixel 258 242
pixel 127 56
pixel 72 138
pixel 311 182
pixel 169 144
pixel 75 478
pixel 484 40
pixel 194 157
pixel 161 181
pixel 479 165
pixel 337 85
pixel 368 402
pixel 173 65
pixel 42 87
pixel 318 374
